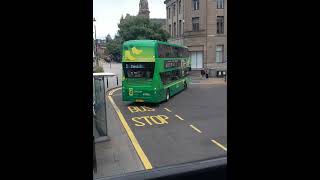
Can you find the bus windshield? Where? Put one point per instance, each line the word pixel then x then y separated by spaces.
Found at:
pixel 138 70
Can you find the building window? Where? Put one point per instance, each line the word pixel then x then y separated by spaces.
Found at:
pixel 220 25
pixel 166 51
pixel 220 4
pixel 170 30
pixel 195 4
pixel 180 26
pixel 195 24
pixel 174 29
pixel 174 10
pixel 169 13
pixel 179 6
pixel 219 54
pixel 196 59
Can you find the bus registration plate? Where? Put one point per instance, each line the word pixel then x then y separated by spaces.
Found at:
pixel 139 100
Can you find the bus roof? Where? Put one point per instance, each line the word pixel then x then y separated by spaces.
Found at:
pixel 150 43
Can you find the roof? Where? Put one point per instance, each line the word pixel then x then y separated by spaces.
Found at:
pixel 159 21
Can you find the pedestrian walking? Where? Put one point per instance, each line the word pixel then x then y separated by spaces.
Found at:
pixel 207 75
pixel 202 73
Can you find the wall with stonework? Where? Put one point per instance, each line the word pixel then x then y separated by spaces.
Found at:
pixel 207 38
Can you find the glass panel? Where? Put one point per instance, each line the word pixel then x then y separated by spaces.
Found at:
pixel 138 70
pixel 193 60
pixel 199 59
pixel 99 119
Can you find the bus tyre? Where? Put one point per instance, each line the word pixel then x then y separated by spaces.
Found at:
pixel 167 95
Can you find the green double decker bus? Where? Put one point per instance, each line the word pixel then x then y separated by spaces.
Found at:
pixel 153 71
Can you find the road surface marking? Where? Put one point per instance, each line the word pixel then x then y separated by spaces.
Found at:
pixel 134 109
pixel 179 117
pixel 167 109
pixel 114 90
pixel 220 145
pixel 145 161
pixel 158 119
pixel 195 128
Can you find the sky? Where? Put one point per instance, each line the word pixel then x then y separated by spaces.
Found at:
pixel 108 13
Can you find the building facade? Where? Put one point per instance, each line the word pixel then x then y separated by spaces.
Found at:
pixel 144 12
pixel 201 25
pixel 144 8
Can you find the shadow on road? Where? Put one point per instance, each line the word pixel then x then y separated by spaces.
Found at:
pixel 154 104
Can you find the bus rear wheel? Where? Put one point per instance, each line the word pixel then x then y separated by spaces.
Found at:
pixel 167 95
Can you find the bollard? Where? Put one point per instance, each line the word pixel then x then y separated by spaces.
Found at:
pixel 107 82
pixel 117 81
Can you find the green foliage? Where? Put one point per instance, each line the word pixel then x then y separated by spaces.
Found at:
pixel 134 28
pixel 113 48
pixel 99 69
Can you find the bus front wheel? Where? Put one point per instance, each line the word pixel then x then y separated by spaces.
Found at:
pixel 167 95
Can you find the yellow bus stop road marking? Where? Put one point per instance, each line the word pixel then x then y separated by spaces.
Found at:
pixel 220 145
pixel 113 90
pixel 145 161
pixel 167 109
pixel 179 117
pixel 195 128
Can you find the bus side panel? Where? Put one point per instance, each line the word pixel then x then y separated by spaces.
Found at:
pixel 158 70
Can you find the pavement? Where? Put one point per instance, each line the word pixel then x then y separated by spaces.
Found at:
pixel 116 156
pixel 208 81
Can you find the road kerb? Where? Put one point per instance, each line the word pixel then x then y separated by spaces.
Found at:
pixel 145 161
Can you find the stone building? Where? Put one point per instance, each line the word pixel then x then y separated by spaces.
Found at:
pixel 144 12
pixel 201 25
pixel 144 8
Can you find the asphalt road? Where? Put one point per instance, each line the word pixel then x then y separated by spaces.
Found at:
pixel 191 126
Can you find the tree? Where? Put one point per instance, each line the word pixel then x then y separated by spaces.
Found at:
pixel 133 28
pixel 137 27
pixel 108 38
pixel 114 48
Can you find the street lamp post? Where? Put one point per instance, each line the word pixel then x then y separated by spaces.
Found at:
pixel 95 38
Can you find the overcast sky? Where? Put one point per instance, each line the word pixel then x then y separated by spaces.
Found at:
pixel 108 13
